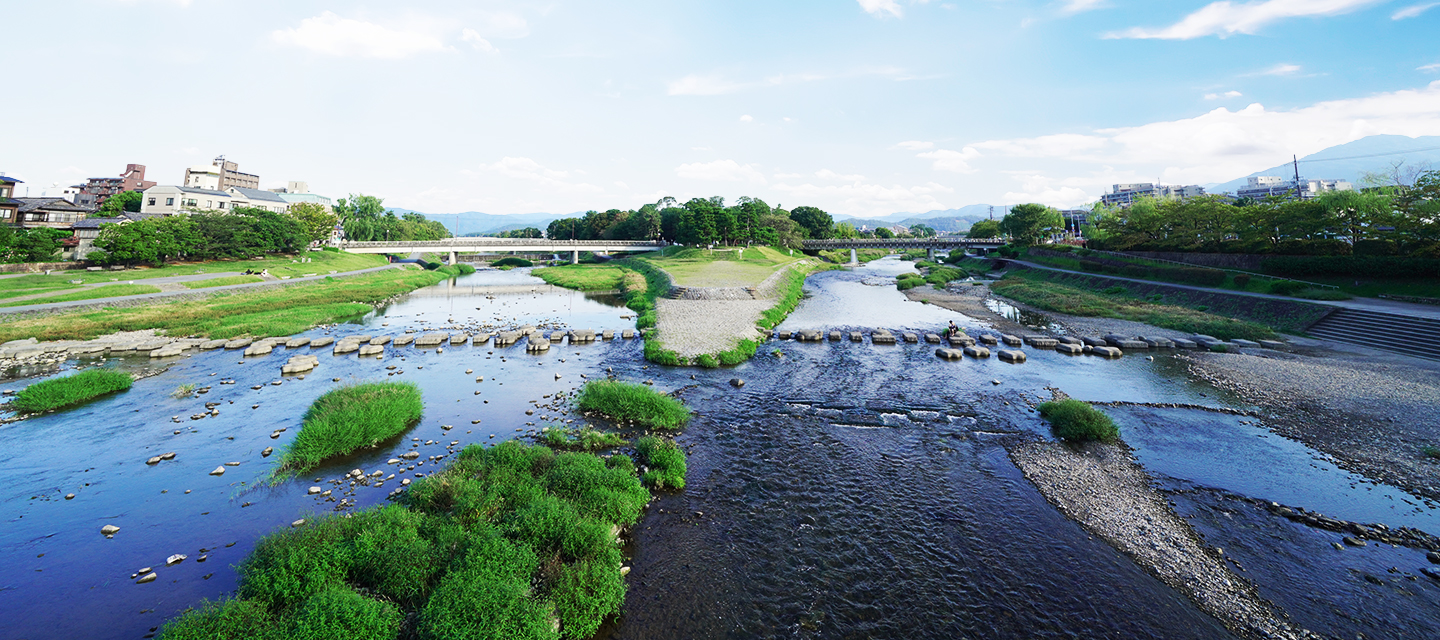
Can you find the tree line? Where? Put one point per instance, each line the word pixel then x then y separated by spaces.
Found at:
pixel 700 221
pixel 242 232
pixel 365 219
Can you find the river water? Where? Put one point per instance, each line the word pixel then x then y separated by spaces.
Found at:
pixel 847 490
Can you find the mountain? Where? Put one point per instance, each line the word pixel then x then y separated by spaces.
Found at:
pixel 971 212
pixel 1351 160
pixel 472 222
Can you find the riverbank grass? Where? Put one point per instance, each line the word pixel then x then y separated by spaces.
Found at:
pixel 68 391
pixel 222 282
pixel 1077 421
pixel 512 541
pixel 89 293
pixel 627 403
pixel 352 417
pixel 666 461
pixel 510 262
pixel 582 277
pixel 586 439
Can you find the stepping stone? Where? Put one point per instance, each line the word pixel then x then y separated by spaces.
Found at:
pixel 480 338
pixel 152 345
pixel 364 337
pixel 1070 340
pixel 627 334
pixel 296 343
pixel 239 343
pixel 459 338
pixel 557 336
pixel 322 342
pixel 168 352
pixel 402 340
pixel 961 340
pixel 882 337
pixel 856 336
pixel 932 338
pixel 1272 344
pixel 1108 352
pixel 1010 340
pixel 372 350
pixel 1095 342
pixel 1041 342
pixel 1132 344
pixel 212 344
pixel 582 336
pixel 811 335
pixel 1011 355
pixel 1157 343
pixel 82 349
pixel 431 339
pixel 836 336
pixel 608 334
pixel 382 340
pixel 345 346
pixel 783 335
pixel 950 354
pixel 1070 349
pixel 258 350
pixel 977 352
pixel 989 339
pixel 1248 344
pixel 911 338
pixel 1181 343
pixel 537 345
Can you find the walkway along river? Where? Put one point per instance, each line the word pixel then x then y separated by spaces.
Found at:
pixel 847 490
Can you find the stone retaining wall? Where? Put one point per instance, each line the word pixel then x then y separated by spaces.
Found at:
pixel 1242 261
pixel 40 267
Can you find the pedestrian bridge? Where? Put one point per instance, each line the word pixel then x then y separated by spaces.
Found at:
pixel 930 245
pixel 454 246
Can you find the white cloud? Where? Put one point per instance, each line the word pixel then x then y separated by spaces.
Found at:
pixel 859 198
pixel 622 185
pixel 532 171
pixel 1414 11
pixel 881 7
pixel 914 145
pixel 1282 69
pixel 1223 144
pixel 473 37
pixel 788 176
pixel 698 85
pixel 504 25
pixel 1227 18
pixel 1072 7
pixel 826 174
pixel 951 160
pixel 720 170
pixel 1223 96
pixel 1429 67
pixel 746 118
pixel 711 85
pixel 332 35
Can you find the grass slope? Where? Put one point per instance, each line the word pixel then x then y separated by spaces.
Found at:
pixel 71 390
pixel 222 282
pixel 352 417
pixel 583 277
pixel 510 542
pixel 92 293
pixel 627 403
pixel 322 262
pixel 273 312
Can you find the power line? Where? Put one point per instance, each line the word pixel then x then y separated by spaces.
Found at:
pixel 1373 155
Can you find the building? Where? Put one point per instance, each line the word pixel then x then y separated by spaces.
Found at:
pixel 295 192
pixel 9 207
pixel 56 213
pixel 96 191
pixel 170 200
pixel 1261 187
pixel 1124 195
pixel 219 176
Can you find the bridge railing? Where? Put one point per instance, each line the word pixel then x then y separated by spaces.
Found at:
pixel 898 242
pixel 499 242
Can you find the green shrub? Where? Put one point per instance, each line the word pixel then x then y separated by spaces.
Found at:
pixel 221 620
pixel 657 353
pixel 352 417
pixel 906 285
pixel 68 391
pixel 586 439
pixel 708 361
pixel 742 352
pixel 1430 452
pixel 512 261
pixel 1287 287
pixel 666 462
pixel 488 597
pixel 1351 266
pixel 1077 421
pixel 1323 294
pixel 587 592
pixel 1116 291
pixel 339 612
pixel 623 402
pixel 1242 280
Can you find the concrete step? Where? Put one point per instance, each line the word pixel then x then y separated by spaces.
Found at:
pixel 1388 325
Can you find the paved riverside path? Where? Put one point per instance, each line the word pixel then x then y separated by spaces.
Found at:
pixel 203 292
pixel 1394 307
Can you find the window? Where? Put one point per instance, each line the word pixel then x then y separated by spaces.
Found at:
pixel 152 202
pixel 169 202
pixel 222 205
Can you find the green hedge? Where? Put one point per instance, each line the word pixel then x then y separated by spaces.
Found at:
pixel 1351 266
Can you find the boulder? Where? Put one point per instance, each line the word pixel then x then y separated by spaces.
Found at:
pixel 1010 355
pixel 950 354
pixel 109 529
pixel 737 383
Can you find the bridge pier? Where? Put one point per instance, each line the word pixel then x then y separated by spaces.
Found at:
pixel 930 254
pixel 575 257
pixel 853 258
pixel 453 258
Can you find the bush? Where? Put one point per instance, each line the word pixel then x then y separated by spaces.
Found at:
pixel 1116 290
pixel 352 417
pixel 1287 287
pixel 222 620
pixel 1092 266
pixel 666 462
pixel 339 612
pixel 587 592
pixel 1077 421
pixel 624 402
pixel 71 390
pixel 1323 294
pixel 512 261
pixel 708 361
pixel 586 439
pixel 1196 275
pixel 1351 266
pixel 1242 280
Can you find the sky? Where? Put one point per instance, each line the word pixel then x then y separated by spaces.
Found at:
pixel 859 107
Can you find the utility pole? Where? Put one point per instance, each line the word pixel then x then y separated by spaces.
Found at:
pixel 1296 161
pixel 992 212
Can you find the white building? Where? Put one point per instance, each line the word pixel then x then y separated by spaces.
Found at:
pixel 1261 187
pixel 295 192
pixel 170 200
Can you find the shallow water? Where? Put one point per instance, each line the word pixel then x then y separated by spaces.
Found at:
pixel 848 490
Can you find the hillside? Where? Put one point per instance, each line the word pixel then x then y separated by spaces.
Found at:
pixel 1351 160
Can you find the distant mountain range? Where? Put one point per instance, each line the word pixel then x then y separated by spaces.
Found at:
pixel 1351 160
pixel 474 222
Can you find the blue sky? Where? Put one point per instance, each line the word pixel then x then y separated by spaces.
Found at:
pixel 861 107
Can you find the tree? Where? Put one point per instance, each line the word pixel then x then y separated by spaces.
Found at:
pixel 884 232
pixel 1418 209
pixel 779 230
pixel 1027 224
pixel 922 231
pixel 984 229
pixel 817 224
pixel 1355 215
pixel 846 231
pixel 33 245
pixel 123 202
pixel 127 242
pixel 316 223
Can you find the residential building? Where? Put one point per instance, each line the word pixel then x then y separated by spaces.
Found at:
pixel 170 200
pixel 56 213
pixel 96 191
pixel 1261 187
pixel 295 192
pixel 1124 195
pixel 219 176
pixel 9 207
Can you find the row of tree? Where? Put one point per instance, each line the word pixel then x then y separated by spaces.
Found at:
pixel 37 244
pixel 242 232
pixel 700 221
pixel 365 219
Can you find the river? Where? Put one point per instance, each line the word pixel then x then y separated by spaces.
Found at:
pixel 847 490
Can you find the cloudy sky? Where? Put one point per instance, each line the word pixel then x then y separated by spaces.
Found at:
pixel 860 107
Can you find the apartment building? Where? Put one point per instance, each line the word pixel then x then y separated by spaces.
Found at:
pixel 96 191
pixel 1261 187
pixel 170 200
pixel 219 176
pixel 1124 195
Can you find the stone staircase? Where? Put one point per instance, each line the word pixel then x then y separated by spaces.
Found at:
pixel 1419 337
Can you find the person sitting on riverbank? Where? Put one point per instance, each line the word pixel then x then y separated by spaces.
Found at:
pixel 953 330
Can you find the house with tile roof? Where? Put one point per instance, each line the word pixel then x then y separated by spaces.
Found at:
pixel 9 207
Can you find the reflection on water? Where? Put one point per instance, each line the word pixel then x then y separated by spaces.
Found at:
pixel 1037 321
pixel 843 300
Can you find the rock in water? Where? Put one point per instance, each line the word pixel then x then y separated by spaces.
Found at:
pixel 266 453
pixel 149 577
pixel 175 559
pixel 737 383
pixel 109 529
pixel 219 471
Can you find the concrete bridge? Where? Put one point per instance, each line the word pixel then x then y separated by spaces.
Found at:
pixel 930 245
pixel 455 246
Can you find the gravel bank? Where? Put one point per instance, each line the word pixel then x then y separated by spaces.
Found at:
pixel 1372 412
pixel 695 327
pixel 970 300
pixel 1103 488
